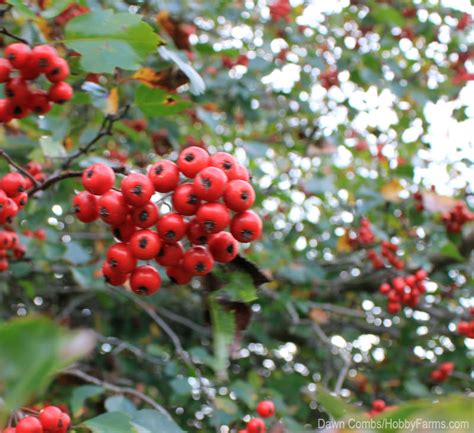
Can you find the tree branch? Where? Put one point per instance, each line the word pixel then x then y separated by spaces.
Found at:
pixel 4 31
pixel 20 169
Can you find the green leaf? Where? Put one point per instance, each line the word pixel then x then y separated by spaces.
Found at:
pixel 387 15
pixel 157 102
pixel 148 420
pixel 51 148
pixel 21 8
pixel 334 406
pixel 119 403
pixel 112 422
pixel 56 8
pixel 107 40
pixel 240 287
pixel 223 330
pixel 451 250
pixel 81 394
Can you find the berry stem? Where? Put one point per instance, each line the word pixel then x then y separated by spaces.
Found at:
pixel 4 31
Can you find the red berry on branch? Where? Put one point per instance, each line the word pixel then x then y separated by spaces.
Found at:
pixel 13 184
pixel 60 92
pixel 164 175
pixel 239 196
pixel 29 424
pixel 170 254
pixel 17 54
pixel 198 261
pixel 256 425
pixel 137 189
pixel 196 233
pixel 266 408
pixel 120 258
pixel 98 178
pixel 246 226
pixel 178 275
pixel 213 217
pixel 145 280
pixel 223 247
pixel 145 244
pixel 145 216
pixel 85 207
pixel 112 276
pixel 192 160
pixel 43 57
pixel 112 208
pixel 50 418
pixel 171 227
pixel 210 184
pixel 184 199
pixel 225 162
pixel 58 71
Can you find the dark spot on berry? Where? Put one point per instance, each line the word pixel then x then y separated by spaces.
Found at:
pixel 192 199
pixel 202 240
pixel 230 248
pixel 137 190
pixel 11 57
pixel 103 212
pixel 9 93
pixel 206 182
pixel 173 280
pixel 200 267
pixel 189 157
pixel 247 234
pixel 143 290
pixel 143 242
pixel 244 196
pixel 55 71
pixel 170 234
pixel 17 110
pixel 117 233
pixel 209 225
pixel 43 63
pixel 227 165
pixel 113 263
pixel 159 169
pixel 143 216
pixel 21 188
pixel 90 173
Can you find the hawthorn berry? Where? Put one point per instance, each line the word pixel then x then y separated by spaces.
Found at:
pixel 13 184
pixel 256 425
pixel 21 199
pixel 43 57
pixel 39 102
pixel 64 422
pixel 198 261
pixel 225 162
pixel 246 226
pixel 112 276
pixel 60 92
pixel 10 430
pixel 145 244
pixel 178 275
pixel 240 173
pixel 16 90
pixel 145 216
pixel 192 160
pixel 85 207
pixel 170 254
pixel 17 54
pixel 5 70
pixel 124 232
pixel 58 71
pixel 171 227
pixel 121 259
pixel 385 288
pixel 239 195
pixel 164 175
pixel 184 199
pixel 145 280
pixel 196 233
pixel 213 217
pixel 98 178
pixel 210 184
pixel 29 424
pixel 378 405
pixel 394 307
pixel 266 408
pixel 113 209
pixel 50 418
pixel 137 189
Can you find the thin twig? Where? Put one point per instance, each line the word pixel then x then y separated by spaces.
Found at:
pixel 4 31
pixel 20 169
pixel 114 388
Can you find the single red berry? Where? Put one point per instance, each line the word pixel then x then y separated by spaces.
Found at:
pixel 43 57
pixel 17 90
pixel 17 54
pixel 64 422
pixel 19 110
pixel 124 231
pixel 185 200
pixel 223 247
pixel 85 207
pixel 30 70
pixel 171 227
pixel 60 92
pixel 385 288
pixel 112 208
pixel 29 424
pixel 137 189
pixel 50 418
pixel 437 376
pixel 398 284
pixel 13 184
pixel 246 226
pixel 58 71
pixel 239 195
pixel 178 275
pixel 378 405
pixel 447 367
pixel 463 327
pixel 121 259
pixel 112 276
pixel 394 307
pixel 145 280
pixel 256 425
pixel 420 274
pixel 198 261
pixel 196 233
pixel 145 216
pixel 210 184
pixel 410 280
pixel 192 160
pixel 225 162
pixel 4 265
pixel 145 244
pixel 266 408
pixel 213 217
pixel 39 102
pixel 5 70
pixel 21 200
pixel 6 113
pixel 8 212
pixel 33 167
pixel 170 254
pixel 164 175
pixel 98 178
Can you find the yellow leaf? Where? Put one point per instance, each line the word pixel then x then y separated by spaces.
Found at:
pixel 391 191
pixel 168 79
pixel 112 101
pixel 344 243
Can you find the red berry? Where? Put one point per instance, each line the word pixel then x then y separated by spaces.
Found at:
pixel 420 274
pixel 145 244
pixel 9 429
pixel 60 92
pixel 145 216
pixel 58 71
pixel 213 217
pixel 246 226
pixel 223 247
pixel 85 207
pixel 17 54
pixel 13 184
pixel 64 422
pixel 192 160
pixel 410 280
pixel 121 259
pixel 17 90
pixel 378 405
pixel 21 200
pixel 164 175
pixel 29 71
pixel 50 418
pixel 6 113
pixel 33 167
pixel 266 409
pixel 225 162
pixel 145 280
pixel 124 231
pixel 137 189
pixel 29 424
pixel 393 307
pixel 112 208
pixel 4 265
pixel 43 57
pixel 5 70
pixel 447 367
pixel 256 425
pixel 198 261
pixel 98 178
pixel 437 376
pixel 463 327
pixel 19 110
pixel 112 276
pixel 239 195
pixel 170 254
pixel 39 103
pixel 398 284
pixel 210 184
pixel 384 288
pixel 171 227
pixel 178 275
pixel 185 201
pixel 196 233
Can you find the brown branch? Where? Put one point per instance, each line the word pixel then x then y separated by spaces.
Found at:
pixel 104 131
pixel 4 31
pixel 20 169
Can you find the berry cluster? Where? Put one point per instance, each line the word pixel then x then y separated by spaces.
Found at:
pixel 388 252
pixel 22 65
pixel 466 328
pixel 280 10
pixel 404 290
pixel 378 407
pixel 229 63
pixel 442 372
pixel 265 409
pixel 329 78
pixel 418 197
pixel 212 187
pixel 364 235
pixel 51 419
pixel 457 217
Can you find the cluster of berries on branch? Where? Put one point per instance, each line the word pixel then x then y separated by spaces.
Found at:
pixel 206 194
pixel 19 72
pixel 51 419
pixel 280 10
pixel 404 291
pixel 266 409
pixel 455 219
pixel 443 371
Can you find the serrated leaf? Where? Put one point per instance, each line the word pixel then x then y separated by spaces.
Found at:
pixel 157 102
pixel 107 40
